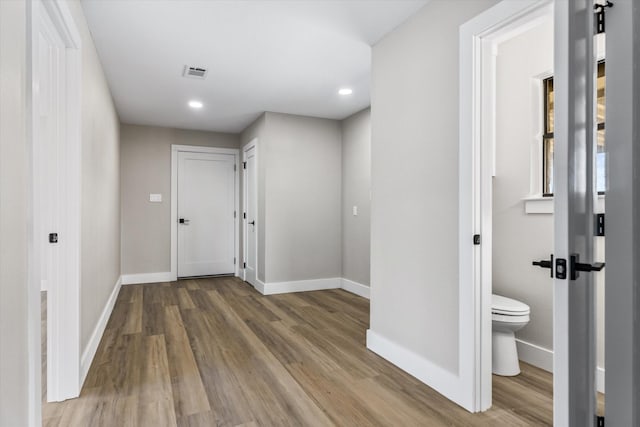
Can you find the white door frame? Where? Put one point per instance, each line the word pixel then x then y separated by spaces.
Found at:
pixel 175 149
pixel 478 38
pixel 63 321
pixel 252 144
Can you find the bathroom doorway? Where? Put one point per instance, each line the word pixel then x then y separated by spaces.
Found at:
pixel 508 107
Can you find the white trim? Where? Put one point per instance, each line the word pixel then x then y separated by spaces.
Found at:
pixel 175 149
pixel 135 279
pixel 92 346
pixel 260 286
pixel 535 355
pixel 542 358
pixel 300 286
pixel 600 379
pixel 356 288
pixel 544 205
pixel 63 313
pixel 476 148
pixel 436 377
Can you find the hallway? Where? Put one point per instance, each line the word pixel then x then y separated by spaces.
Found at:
pixel 215 352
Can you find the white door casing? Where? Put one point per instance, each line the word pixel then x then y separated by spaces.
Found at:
pixel 55 187
pixel 250 214
pixel 206 211
pixel 478 38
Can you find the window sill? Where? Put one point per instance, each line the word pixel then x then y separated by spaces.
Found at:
pixel 536 205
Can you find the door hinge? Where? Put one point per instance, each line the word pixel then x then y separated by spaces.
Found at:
pixel 244 215
pixel 476 239
pixel 600 421
pixel 599 18
pixel 600 224
pixel 244 165
pixel 234 167
pixel 244 265
pixel 234 261
pixel 235 215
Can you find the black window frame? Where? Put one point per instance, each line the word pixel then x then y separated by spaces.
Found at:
pixel 546 135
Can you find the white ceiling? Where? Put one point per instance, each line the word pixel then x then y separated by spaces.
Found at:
pixel 282 56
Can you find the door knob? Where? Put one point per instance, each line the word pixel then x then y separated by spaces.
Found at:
pixel 545 263
pixel 183 221
pixel 252 223
pixel 577 266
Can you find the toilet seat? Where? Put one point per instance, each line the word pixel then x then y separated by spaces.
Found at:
pixel 504 306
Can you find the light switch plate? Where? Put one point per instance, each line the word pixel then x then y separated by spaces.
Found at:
pixel 155 198
pixel 355 211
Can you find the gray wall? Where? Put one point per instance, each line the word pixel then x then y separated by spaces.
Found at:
pixel 299 197
pixel 303 198
pixel 414 174
pixel 13 215
pixel 100 244
pixel 356 191
pixel 145 156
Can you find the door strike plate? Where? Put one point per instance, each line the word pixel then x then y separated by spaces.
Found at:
pixel 561 268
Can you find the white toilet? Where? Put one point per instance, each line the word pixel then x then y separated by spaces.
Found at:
pixel 508 316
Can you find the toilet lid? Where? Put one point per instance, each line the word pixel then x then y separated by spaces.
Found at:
pixel 508 306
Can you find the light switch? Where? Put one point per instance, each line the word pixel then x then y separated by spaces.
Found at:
pixel 355 211
pixel 155 198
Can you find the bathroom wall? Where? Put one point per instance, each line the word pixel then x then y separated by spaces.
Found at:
pixel 519 238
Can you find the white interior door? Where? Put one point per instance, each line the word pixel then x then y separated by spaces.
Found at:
pixel 575 194
pixel 206 204
pixel 250 215
pixel 49 51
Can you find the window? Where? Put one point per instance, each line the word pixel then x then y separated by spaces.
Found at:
pixel 547 138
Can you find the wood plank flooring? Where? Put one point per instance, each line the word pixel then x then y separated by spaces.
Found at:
pixel 214 352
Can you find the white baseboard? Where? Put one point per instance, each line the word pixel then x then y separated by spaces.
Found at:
pixel 438 378
pixel 356 288
pixel 301 286
pixel 134 279
pixel 535 355
pixel 92 346
pixel 543 358
pixel 260 287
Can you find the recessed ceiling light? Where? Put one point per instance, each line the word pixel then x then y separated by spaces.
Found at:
pixel 345 91
pixel 196 104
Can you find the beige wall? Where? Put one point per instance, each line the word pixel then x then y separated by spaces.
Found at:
pixel 13 215
pixel 100 244
pixel 299 197
pixel 356 191
pixel 145 156
pixel 302 198
pixel 414 175
pixel 519 238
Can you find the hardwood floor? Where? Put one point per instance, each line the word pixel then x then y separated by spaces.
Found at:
pixel 214 352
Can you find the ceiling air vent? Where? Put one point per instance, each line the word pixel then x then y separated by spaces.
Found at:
pixel 194 72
